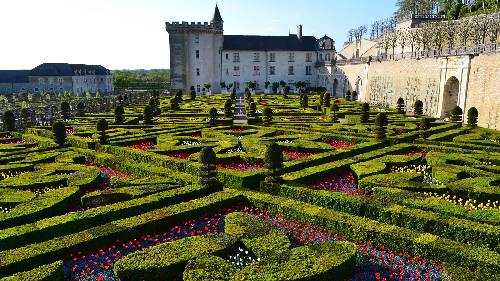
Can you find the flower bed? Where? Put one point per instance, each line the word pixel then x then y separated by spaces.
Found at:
pixel 372 263
pixel 339 144
pixel 344 183
pixel 69 131
pixel 5 136
pixel 238 130
pixel 239 166
pixel 99 264
pixel 145 145
pixel 107 171
pixel 295 155
pixel 179 155
pixel 15 142
pixel 415 151
pixel 196 135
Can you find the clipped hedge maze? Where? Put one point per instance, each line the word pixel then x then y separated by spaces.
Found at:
pixel 419 205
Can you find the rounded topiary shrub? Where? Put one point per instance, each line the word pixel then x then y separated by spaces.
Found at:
pixel 148 115
pixel 418 108
pixel 252 108
pixel 326 100
pixel 65 110
pixel 456 114
pixel 9 121
pixel 119 115
pixel 472 115
pixel 59 131
pixel 267 115
pixel 333 111
pixel 273 161
pixel 102 127
pixel 380 123
pixel 208 170
pixel 228 108
pixel 365 112
pixel 213 116
pixel 401 106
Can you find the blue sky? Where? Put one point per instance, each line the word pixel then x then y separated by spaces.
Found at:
pixel 130 34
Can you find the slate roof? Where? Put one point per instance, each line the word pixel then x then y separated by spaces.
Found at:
pixel 269 43
pixel 14 76
pixel 49 69
pixel 65 69
pixel 217 16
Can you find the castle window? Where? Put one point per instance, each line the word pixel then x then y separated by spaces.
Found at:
pixel 198 88
pixel 327 57
pixel 308 70
pixel 290 70
pixel 236 71
pixel 272 57
pixel 197 72
pixel 321 57
pixel 308 57
pixel 256 70
pixel 227 56
pixel 236 57
pixel 197 54
pixel 256 57
pixel 291 57
pixel 272 70
pixel 197 38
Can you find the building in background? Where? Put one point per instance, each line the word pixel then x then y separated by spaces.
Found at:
pixel 201 54
pixel 57 78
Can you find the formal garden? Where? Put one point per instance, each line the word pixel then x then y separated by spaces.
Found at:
pixel 309 187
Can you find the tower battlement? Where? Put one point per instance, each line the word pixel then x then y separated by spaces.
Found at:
pixel 191 26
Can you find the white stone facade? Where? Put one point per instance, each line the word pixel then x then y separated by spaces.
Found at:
pixel 262 66
pixel 201 54
pixel 57 78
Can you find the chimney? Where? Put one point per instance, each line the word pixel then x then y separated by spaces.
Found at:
pixel 299 31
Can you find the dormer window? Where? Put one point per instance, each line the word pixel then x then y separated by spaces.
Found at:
pixel 197 38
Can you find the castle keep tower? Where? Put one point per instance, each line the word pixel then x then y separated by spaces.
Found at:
pixel 195 53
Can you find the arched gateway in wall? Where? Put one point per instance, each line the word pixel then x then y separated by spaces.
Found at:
pixel 450 96
pixel 454 79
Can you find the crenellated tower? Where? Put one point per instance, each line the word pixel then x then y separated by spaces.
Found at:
pixel 195 53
